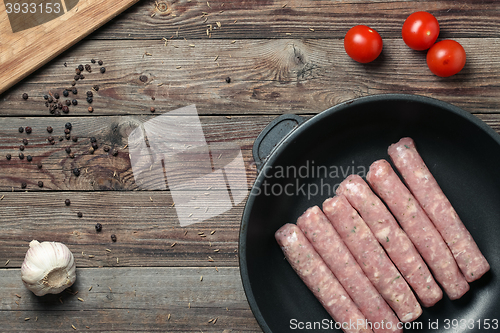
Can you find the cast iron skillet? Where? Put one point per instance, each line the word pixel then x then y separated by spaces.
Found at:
pixel 461 151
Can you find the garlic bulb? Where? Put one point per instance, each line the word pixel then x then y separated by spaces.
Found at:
pixel 48 268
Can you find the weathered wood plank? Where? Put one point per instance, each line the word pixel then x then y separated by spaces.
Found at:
pixel 267 77
pixel 277 19
pixel 131 300
pixel 145 223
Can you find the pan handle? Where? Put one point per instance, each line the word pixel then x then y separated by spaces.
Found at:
pixel 270 137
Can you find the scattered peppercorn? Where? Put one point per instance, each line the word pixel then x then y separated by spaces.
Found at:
pixel 77 77
pixel 49 129
pixel 67 131
pixel 75 102
pixel 93 139
pixel 90 109
pixel 143 78
pixel 29 158
pixel 228 79
pixel 50 100
pixel 21 129
pixel 25 96
pixel 68 150
pixel 106 148
pixel 92 61
pixel 57 113
pixel 90 93
pixel 46 104
pixel 89 100
pixel 65 109
pixel 21 147
pixel 76 172
pixel 40 183
pixel 98 227
pixel 45 97
pixel 113 237
pixel 59 105
pixel 73 83
pixel 94 145
pixel 68 126
pixel 74 91
pixel 39 165
pixel 25 141
pixel 67 202
pixel 8 156
pixel 88 68
pixel 82 77
pixel 65 93
pixel 153 98
pixel 71 155
pixel 56 95
pixel 79 214
pixel 23 185
pixel 80 68
pixel 74 138
pixel 103 70
pixel 77 71
pixel 21 156
pixel 61 138
pixel 68 102
pixel 100 62
pixel 114 152
pixel 28 130
pixel 152 109
pixel 96 88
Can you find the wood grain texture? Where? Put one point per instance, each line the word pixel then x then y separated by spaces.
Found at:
pixel 267 77
pixel 23 52
pixel 131 300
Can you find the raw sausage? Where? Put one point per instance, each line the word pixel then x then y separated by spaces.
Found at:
pixel 426 190
pixel 327 242
pixel 319 279
pixel 371 258
pixel 418 227
pixel 394 240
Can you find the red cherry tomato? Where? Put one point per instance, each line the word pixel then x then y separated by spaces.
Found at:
pixel 363 44
pixel 420 31
pixel 446 58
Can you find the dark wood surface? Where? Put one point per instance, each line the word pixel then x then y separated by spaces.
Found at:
pixel 281 57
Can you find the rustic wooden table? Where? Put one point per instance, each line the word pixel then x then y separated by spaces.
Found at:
pixel 241 63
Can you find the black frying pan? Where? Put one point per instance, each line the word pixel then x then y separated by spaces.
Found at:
pixel 461 151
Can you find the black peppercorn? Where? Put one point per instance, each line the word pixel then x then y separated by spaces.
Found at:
pixel 90 109
pixel 65 109
pixel 21 156
pixel 68 150
pixel 76 172
pixel 57 113
pixel 67 136
pixel 40 183
pixel 21 129
pixel 228 79
pixel 98 227
pixel 67 131
pixel 71 155
pixel 59 106
pixel 82 77
pixel 74 91
pixel 56 95
pixel 77 71
pixel 29 158
pixel 46 104
pixel 65 93
pixel 28 130
pixel 25 141
pixel 94 145
pixel 113 237
pixel 93 139
pixel 49 129
pixel 152 109
pixel 39 165
pixel 80 68
pixel 92 61
pixel 96 88
pixel 74 138
pixel 25 96
pixel 100 62
pixel 23 185
pixel 68 126
pixel 89 100
pixel 79 214
pixel 50 100
pixel 143 78
pixel 114 152
pixel 61 138
pixel 103 70
pixel 8 156
pixel 45 97
pixel 75 102
pixel 90 93
pixel 21 147
pixel 68 102
pixel 67 202
pixel 105 148
pixel 73 83
pixel 77 77
pixel 88 68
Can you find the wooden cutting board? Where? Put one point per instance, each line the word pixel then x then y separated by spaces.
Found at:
pixel 32 32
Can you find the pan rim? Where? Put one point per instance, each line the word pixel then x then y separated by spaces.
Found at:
pixel 356 102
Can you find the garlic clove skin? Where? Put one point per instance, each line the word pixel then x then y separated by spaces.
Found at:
pixel 48 268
